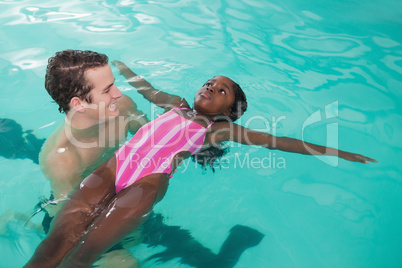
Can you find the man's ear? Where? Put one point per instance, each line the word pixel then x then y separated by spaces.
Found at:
pixel 77 104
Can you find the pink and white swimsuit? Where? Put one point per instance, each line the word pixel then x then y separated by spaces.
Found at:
pixel 152 149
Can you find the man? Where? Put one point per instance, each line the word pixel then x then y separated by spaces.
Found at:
pixel 97 119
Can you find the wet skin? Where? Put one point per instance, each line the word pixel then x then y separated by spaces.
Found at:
pixel 215 97
pixel 114 216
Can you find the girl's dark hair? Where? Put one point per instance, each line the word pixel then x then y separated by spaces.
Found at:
pixel 210 155
pixel 65 75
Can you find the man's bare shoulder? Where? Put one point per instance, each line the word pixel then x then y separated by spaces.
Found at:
pixel 59 160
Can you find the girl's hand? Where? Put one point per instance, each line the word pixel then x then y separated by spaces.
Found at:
pixel 356 157
pixel 121 66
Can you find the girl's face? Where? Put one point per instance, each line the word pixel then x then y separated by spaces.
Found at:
pixel 215 97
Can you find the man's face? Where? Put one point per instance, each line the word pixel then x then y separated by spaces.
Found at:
pixel 104 94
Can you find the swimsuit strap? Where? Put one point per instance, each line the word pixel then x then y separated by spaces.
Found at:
pixel 175 109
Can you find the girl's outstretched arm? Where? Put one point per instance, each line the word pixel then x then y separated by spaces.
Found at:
pixel 160 98
pixel 225 131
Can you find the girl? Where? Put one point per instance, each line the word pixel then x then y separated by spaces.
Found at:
pixel 117 198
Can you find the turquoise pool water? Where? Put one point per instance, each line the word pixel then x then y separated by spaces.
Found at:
pixel 296 61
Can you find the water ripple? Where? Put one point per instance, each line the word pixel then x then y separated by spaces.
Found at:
pixel 394 63
pixel 29 58
pixel 74 13
pixel 346 203
pixel 322 45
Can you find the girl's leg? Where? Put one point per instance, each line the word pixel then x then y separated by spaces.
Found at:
pixel 85 202
pixel 125 212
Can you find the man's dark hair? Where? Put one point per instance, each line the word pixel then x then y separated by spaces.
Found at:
pixel 65 75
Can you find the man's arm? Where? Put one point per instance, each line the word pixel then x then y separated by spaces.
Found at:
pixel 64 173
pixel 160 98
pixel 135 118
